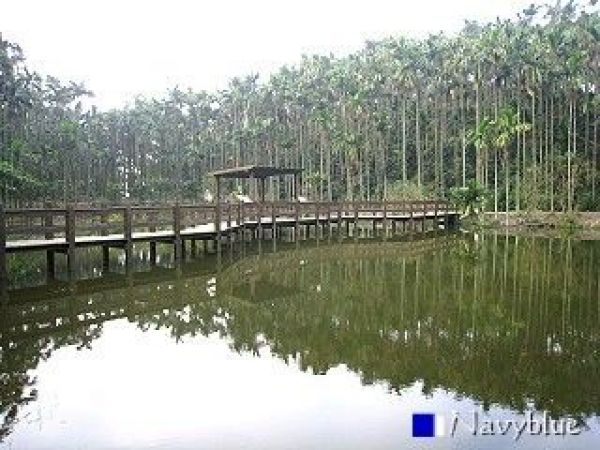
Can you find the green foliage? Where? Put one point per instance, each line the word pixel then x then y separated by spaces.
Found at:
pixel 589 202
pixel 531 196
pixel 511 104
pixel 21 184
pixel 408 190
pixel 470 199
pixel 505 127
pixel 569 222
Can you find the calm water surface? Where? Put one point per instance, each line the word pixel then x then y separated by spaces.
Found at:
pixel 316 345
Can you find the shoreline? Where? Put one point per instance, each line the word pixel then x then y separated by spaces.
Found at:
pixel 582 225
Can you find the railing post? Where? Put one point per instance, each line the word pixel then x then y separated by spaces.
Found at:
pixel 345 206
pixel 297 221
pixel 228 223
pixel 240 221
pixel 152 228
pixel 385 223
pixel 355 230
pixel 70 238
pixel 317 218
pixel 177 231
pixel 48 234
pixel 218 224
pixel 375 213
pixel 273 221
pixel 259 220
pixel 48 222
pixel 411 216
pixel 435 215
pixel 127 235
pixel 446 215
pixel 328 218
pixel 3 270
pixel 104 232
pixel 402 210
pixel 424 216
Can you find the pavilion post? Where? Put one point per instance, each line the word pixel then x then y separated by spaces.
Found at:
pixel 296 193
pixel 262 189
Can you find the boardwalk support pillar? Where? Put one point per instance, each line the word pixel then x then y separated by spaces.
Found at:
pixel 452 222
pixel 105 258
pixel 50 266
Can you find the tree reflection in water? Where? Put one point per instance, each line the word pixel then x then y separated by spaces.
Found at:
pixel 509 321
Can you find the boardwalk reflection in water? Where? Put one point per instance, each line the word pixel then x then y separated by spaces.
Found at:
pixel 224 351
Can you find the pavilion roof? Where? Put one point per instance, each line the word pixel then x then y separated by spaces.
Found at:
pixel 254 171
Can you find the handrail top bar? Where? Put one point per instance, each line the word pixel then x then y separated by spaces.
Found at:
pixel 165 207
pixel 35 210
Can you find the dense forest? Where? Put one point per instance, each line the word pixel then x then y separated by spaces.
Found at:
pixel 510 105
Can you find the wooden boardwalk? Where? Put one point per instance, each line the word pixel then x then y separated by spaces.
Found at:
pixel 56 230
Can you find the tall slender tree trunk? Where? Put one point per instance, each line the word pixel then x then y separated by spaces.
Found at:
pixel 478 173
pixel 552 152
pixel 506 183
pixel 464 138
pixel 495 160
pixel 569 174
pixel 595 159
pixel 573 175
pixel 418 141
pixel 404 174
pixel 518 163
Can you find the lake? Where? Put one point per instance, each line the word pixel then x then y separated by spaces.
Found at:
pixel 317 344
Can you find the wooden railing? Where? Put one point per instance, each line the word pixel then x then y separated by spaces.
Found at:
pixel 65 223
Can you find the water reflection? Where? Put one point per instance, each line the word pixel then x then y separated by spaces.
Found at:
pixel 506 322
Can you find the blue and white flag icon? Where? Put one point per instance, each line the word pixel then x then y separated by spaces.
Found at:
pixel 428 425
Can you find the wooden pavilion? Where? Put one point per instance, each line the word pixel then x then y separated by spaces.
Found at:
pixel 260 173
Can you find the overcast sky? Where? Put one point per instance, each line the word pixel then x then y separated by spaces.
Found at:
pixel 121 48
